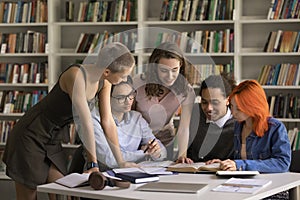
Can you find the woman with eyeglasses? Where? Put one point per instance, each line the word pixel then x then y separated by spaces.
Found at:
pixel 161 91
pixel 135 136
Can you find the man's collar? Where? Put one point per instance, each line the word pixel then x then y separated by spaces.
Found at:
pixel 126 119
pixel 221 122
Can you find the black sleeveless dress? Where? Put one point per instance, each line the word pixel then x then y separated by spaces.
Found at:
pixel 35 141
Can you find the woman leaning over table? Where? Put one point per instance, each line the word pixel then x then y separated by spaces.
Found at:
pixel 161 91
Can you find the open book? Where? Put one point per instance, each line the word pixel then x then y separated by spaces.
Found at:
pixel 243 185
pixel 74 180
pixel 194 167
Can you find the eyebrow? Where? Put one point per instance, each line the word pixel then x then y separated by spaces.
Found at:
pixel 163 66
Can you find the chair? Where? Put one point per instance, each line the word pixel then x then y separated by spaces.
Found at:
pixel 295 167
pixel 295 164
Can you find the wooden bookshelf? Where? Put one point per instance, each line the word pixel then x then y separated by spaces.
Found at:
pixel 247 20
pixel 23 32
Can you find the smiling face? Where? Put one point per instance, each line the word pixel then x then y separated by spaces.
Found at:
pixel 168 71
pixel 213 103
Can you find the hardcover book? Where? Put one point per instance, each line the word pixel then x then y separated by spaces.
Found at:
pixel 137 177
pixel 173 187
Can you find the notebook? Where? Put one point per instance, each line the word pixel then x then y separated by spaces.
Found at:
pixel 242 185
pixel 137 177
pixel 173 187
pixel 236 173
pixel 74 180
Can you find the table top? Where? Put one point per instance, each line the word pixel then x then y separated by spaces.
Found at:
pixel 280 182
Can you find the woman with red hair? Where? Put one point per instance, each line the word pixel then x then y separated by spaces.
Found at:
pixel 260 141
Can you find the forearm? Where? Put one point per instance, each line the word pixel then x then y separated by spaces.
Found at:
pixel 111 135
pixel 182 138
pixel 272 165
pixel 184 130
pixel 88 140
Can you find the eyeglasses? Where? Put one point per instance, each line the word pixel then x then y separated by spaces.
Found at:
pixel 123 98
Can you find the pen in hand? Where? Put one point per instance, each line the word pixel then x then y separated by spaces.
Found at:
pixel 148 145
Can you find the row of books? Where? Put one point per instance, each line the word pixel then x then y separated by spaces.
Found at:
pixel 284 9
pixel 5 129
pixel 7 125
pixel 280 74
pixel 283 41
pixel 294 137
pixel 284 106
pixel 107 11
pixel 191 10
pixel 34 11
pixel 197 73
pixel 24 73
pixel 23 42
pixel 19 101
pixel 92 42
pixel 210 41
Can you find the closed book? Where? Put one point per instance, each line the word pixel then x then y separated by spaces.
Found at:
pixel 174 187
pixel 137 177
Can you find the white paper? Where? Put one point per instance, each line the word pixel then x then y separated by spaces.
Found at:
pixel 164 163
pixel 73 180
pixel 148 170
pixel 241 185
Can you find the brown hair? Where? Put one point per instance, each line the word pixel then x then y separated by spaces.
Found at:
pixel 167 50
pixel 116 57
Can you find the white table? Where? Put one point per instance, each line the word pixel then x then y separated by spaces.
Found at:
pixel 280 182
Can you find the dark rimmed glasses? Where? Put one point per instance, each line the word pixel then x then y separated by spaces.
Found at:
pixel 123 98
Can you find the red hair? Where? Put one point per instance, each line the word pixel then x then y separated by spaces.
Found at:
pixel 251 99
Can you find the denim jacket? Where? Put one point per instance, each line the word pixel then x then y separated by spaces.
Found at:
pixel 270 153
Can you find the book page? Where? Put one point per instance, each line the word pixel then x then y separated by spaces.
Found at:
pixel 242 185
pixel 148 170
pixel 248 181
pixel 211 167
pixel 194 167
pixel 74 180
pixel 151 163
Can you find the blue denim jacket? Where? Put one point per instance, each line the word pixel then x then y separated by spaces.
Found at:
pixel 270 153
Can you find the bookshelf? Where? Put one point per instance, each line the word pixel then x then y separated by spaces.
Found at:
pixel 23 33
pixel 248 22
pixel 253 29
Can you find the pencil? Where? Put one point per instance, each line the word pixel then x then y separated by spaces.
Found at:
pixel 148 145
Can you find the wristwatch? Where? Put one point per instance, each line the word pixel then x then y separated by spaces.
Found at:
pixel 91 165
